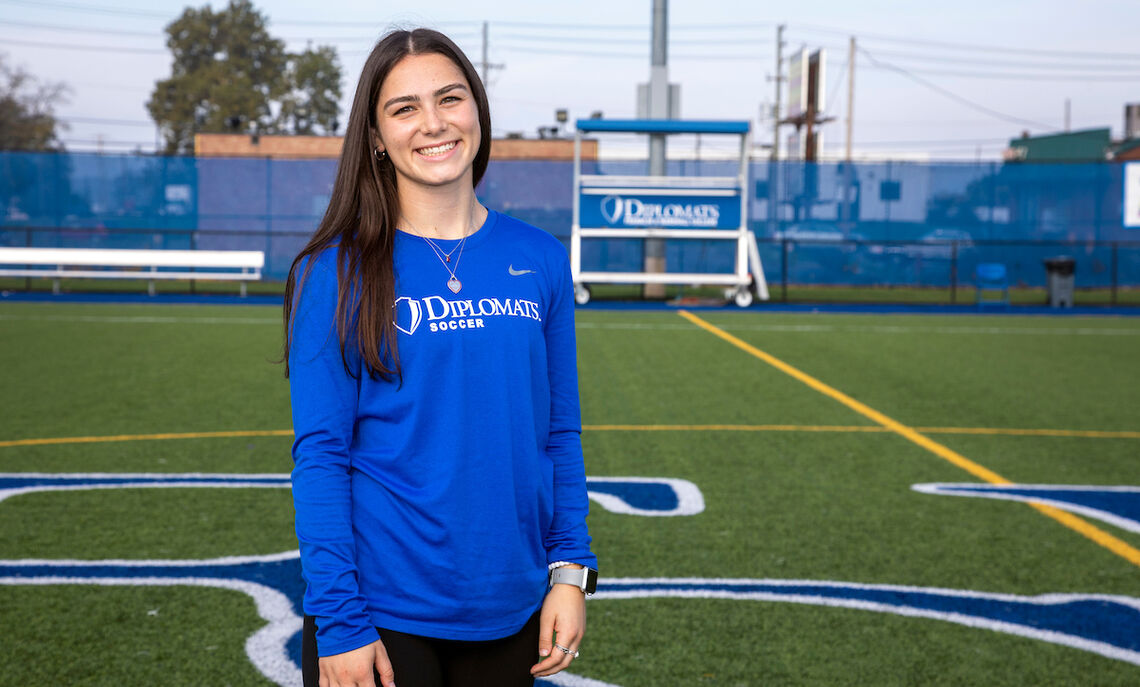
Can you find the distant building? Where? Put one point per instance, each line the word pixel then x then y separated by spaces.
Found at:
pixel 1127 151
pixel 1089 145
pixel 311 147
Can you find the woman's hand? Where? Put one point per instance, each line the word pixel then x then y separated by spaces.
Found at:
pixel 563 620
pixel 354 668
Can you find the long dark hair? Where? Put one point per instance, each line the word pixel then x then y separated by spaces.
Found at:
pixel 364 207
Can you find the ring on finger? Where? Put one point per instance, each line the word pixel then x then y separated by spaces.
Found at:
pixel 568 652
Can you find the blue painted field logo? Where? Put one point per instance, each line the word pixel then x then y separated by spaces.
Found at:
pixel 274 581
pixel 645 496
pixel 1107 625
pixel 1118 506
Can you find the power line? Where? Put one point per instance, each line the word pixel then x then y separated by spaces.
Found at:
pixel 926 122
pixel 1009 76
pixel 87 8
pixel 130 12
pixel 580 27
pixel 641 55
pixel 574 53
pixel 965 141
pixel 91 48
pixel 719 40
pixel 974 47
pixel 159 34
pixel 79 29
pixel 105 142
pixel 578 40
pixel 641 28
pixel 1083 72
pixel 110 86
pixel 103 120
pixel 1017 76
pixel 842 69
pixel 954 96
pixel 1064 66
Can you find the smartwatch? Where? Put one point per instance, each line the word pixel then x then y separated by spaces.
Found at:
pixel 583 578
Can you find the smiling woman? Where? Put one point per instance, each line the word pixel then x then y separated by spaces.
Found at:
pixel 430 138
pixel 439 486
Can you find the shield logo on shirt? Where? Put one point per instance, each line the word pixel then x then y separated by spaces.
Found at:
pixel 408 314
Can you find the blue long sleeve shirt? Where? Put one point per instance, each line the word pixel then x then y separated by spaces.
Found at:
pixel 433 507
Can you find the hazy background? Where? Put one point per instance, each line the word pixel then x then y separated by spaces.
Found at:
pixel 976 72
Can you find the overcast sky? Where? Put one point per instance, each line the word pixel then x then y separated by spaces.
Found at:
pixel 935 80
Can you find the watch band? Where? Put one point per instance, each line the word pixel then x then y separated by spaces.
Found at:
pixel 585 579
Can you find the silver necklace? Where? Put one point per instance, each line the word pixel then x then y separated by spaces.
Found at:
pixel 445 257
pixel 439 251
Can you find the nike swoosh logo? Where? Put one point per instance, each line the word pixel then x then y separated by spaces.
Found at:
pixel 515 273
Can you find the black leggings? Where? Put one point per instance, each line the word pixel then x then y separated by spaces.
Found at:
pixel 428 662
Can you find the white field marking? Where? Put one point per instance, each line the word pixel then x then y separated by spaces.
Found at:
pixel 988 491
pixel 265 648
pixel 1050 636
pixel 565 679
pixel 690 501
pixel 153 562
pixel 824 328
pixel 876 329
pixel 174 484
pixel 689 498
pixel 1130 601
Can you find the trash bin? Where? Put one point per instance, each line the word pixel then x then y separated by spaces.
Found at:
pixel 1061 281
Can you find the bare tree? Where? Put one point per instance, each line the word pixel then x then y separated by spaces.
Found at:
pixel 27 110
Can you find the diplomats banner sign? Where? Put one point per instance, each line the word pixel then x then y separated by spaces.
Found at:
pixel 643 211
pixel 1132 195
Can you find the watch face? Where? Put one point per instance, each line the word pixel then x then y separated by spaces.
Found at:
pixel 591 580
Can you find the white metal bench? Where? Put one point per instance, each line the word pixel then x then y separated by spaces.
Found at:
pixel 103 263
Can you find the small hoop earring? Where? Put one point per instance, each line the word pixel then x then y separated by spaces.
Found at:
pixel 380 154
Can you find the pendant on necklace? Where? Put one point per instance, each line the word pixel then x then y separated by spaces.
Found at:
pixel 454 285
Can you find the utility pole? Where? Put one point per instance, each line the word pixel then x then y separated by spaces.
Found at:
pixel 485 66
pixel 774 168
pixel 779 78
pixel 658 84
pixel 845 218
pixel 850 95
pixel 658 109
pixel 486 62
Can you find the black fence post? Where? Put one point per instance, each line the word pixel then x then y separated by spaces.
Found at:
pixel 193 246
pixel 784 267
pixel 1115 264
pixel 28 243
pixel 953 273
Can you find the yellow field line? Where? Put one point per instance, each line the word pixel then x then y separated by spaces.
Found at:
pixel 146 437
pixel 1078 433
pixel 732 428
pixel 872 429
pixel 1069 520
pixel 1013 431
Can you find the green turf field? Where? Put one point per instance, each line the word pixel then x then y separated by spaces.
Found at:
pixel 794 293
pixel 802 482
